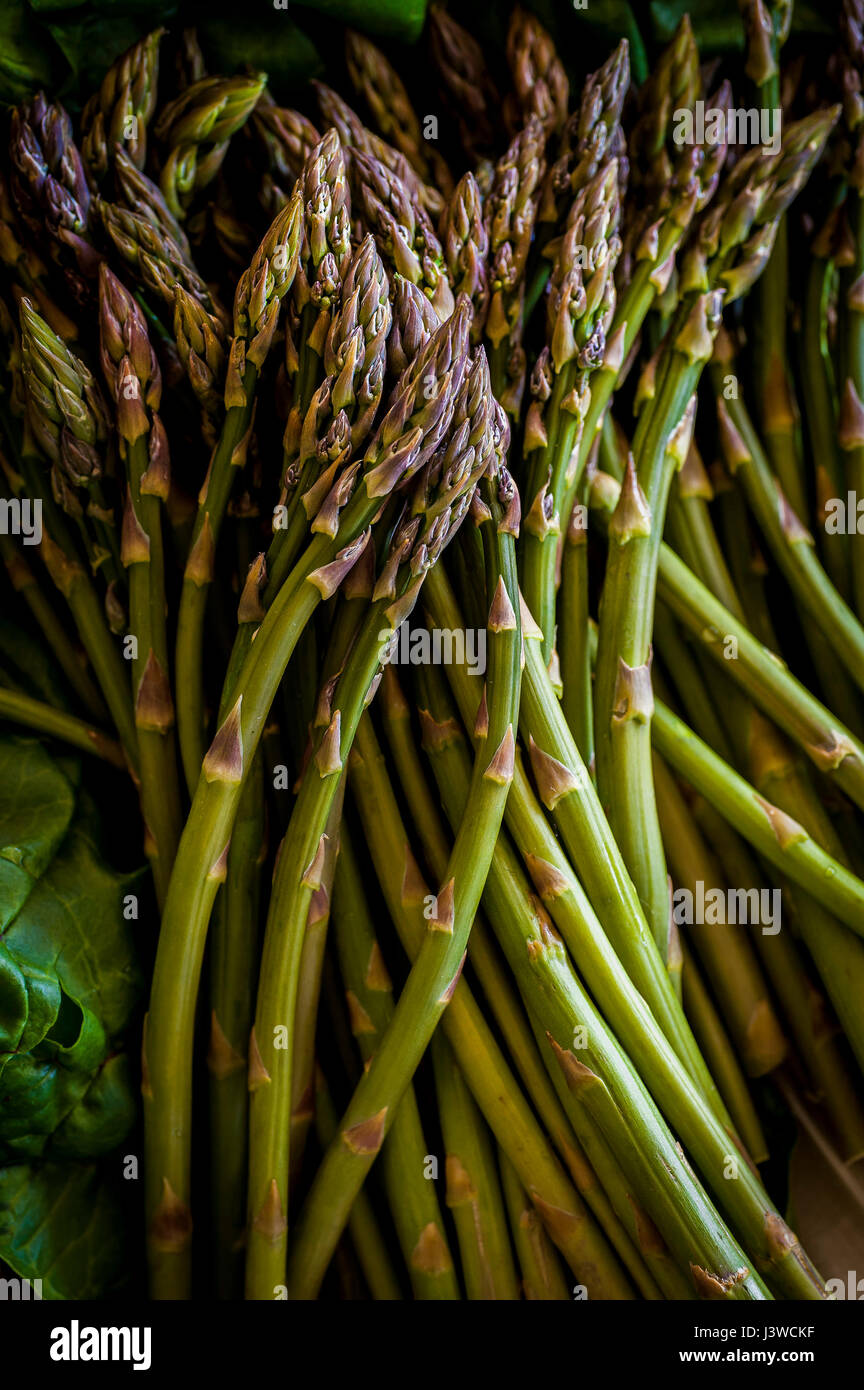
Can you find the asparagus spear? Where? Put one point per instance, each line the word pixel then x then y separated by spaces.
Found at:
pixel 134 381
pixel 386 97
pixel 413 1202
pixel 466 84
pixel 438 506
pixel 539 79
pixel 118 114
pixel 256 311
pixel 402 229
pixel 732 245
pixel 510 211
pixel 195 130
pixel 50 189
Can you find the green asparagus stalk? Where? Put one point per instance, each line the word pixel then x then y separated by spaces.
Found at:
pixel 119 113
pixel 135 384
pixel 371 1250
pixel 539 79
pixel 542 1276
pixel 256 311
pixel 510 212
pixel 19 708
pixel 473 1187
pixel 384 93
pixel 762 674
pixel 439 504
pixel 195 130
pixel 369 992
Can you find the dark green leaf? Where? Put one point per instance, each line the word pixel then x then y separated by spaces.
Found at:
pixel 63 1224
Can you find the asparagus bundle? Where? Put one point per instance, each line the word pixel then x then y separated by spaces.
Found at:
pixel 572 803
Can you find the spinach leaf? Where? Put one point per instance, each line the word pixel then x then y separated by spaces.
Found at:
pixel 63 1224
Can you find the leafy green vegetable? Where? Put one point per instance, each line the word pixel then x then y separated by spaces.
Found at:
pixel 63 1224
pixel 68 977
pixel 69 985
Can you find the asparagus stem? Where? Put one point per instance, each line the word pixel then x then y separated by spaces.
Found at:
pixel 756 669
pixel 19 708
pixel 413 1199
pixel 71 660
pixel 368 1243
pixel 473 1187
pixel 542 1277
pixel 232 984
pixel 717 1048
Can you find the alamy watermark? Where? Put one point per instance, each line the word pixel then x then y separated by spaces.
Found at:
pixel 732 907
pixel 713 125
pixel 21 517
pixel 438 646
pixel 20 1290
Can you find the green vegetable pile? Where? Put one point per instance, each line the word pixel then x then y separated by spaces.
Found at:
pixel 430 521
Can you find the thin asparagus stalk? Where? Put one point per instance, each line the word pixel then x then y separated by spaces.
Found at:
pixel 723 949
pixel 716 1047
pixel 788 539
pixel 134 380
pixel 542 1277
pixel 755 668
pixel 370 1248
pixel 580 306
pixel 510 211
pixel 19 708
pixel 805 1010
pixel 413 1200
pixel 60 557
pixel 71 660
pixel 309 989
pixel 772 832
pixel 577 699
pixel 232 983
pixel 256 311
pixel 473 1187
pixel 440 503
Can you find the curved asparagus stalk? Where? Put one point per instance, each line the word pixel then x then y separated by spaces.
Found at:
pixel 195 130
pixel 22 709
